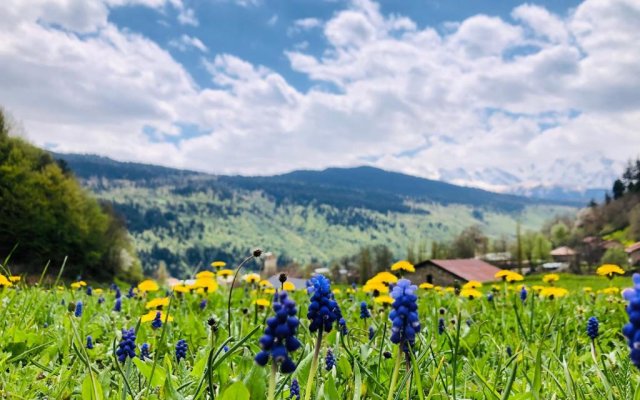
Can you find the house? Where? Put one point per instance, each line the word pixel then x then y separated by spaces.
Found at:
pixel 633 252
pixel 563 254
pixel 446 272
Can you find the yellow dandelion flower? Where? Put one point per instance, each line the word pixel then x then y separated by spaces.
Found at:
pixel 610 290
pixel 159 302
pixel 426 285
pixel 587 289
pixel 225 273
pixel 502 274
pixel 78 285
pixel 251 278
pixel 403 265
pixel 209 284
pixel 472 285
pixel 336 291
pixel 351 290
pixel 218 264
pixel 262 302
pixel 15 278
pixel 148 286
pixel 375 286
pixel 449 289
pixel 548 278
pixel 182 288
pixel 384 277
pixel 537 288
pixel 4 281
pixel 205 275
pixel 609 270
pixel 288 286
pixel 98 291
pixel 151 315
pixel 383 299
pixel 265 283
pixel 553 292
pixel 269 290
pixel 514 277
pixel 470 293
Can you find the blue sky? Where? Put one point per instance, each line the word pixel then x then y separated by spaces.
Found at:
pixel 504 95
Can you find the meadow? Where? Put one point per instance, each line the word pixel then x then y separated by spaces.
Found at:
pixel 201 341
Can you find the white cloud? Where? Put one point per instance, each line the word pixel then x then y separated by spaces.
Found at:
pixel 492 102
pixel 188 17
pixel 186 42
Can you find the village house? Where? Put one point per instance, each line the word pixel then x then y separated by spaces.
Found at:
pixel 633 252
pixel 447 272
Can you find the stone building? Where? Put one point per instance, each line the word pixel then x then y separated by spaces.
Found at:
pixel 446 272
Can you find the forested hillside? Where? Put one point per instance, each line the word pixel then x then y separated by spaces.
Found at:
pixel 45 215
pixel 186 219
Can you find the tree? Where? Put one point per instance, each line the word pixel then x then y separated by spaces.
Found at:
pixel 615 255
pixel 560 234
pixel 618 189
pixel 364 260
pixel 46 213
pixel 467 242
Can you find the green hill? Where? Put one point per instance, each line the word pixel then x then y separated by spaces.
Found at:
pixel 187 218
pixel 45 216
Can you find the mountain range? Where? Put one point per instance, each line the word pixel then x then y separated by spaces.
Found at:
pixel 184 218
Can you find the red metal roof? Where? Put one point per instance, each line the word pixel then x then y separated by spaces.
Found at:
pixel 633 248
pixel 469 269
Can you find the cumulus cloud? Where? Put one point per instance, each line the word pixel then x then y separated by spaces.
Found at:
pixel 186 42
pixel 535 99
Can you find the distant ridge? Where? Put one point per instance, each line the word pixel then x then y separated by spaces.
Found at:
pixel 357 187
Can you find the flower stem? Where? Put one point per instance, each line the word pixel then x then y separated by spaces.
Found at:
pixel 272 381
pixel 396 370
pixel 314 366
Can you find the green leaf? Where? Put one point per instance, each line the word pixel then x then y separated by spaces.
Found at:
pixel 255 381
pixel 159 375
pixel 357 382
pixel 170 391
pixel 330 390
pixel 91 391
pixel 237 391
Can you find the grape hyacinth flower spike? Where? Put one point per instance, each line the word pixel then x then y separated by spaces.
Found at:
pixel 592 328
pixel 157 321
pixel 127 345
pixel 279 340
pixel 632 329
pixel 404 324
pixel 78 311
pixel 89 342
pixel 144 351
pixel 181 349
pixel 323 313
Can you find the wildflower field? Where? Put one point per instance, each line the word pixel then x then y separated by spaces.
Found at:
pixel 389 339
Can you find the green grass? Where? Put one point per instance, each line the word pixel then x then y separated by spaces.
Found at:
pixel 43 352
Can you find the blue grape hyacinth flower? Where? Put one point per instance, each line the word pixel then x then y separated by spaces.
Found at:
pixel 592 327
pixel 364 310
pixel 323 309
pixel 144 351
pixel 89 291
pixel 127 345
pixel 118 306
pixel 279 337
pixel 329 360
pixel 78 312
pixel 181 349
pixel 89 342
pixel 523 294
pixel 404 316
pixel 372 333
pixel 157 321
pixel 632 329
pixel 294 390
